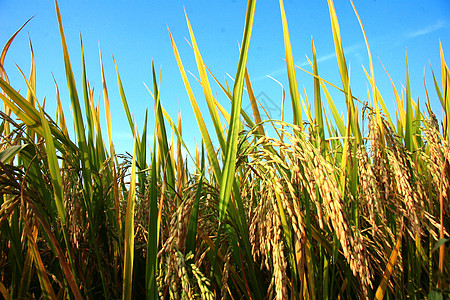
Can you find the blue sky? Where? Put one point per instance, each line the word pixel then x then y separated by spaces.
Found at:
pixel 135 32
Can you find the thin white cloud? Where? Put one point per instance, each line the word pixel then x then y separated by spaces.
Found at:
pixel 321 59
pixel 123 135
pixel 428 29
pixel 347 51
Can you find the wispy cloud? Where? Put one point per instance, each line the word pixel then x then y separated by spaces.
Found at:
pixel 123 135
pixel 428 29
pixel 347 50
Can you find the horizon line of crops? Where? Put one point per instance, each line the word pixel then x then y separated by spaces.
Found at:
pixel 322 209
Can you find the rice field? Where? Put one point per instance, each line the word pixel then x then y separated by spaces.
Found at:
pixel 324 207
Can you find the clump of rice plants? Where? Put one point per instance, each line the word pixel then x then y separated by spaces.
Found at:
pixel 326 207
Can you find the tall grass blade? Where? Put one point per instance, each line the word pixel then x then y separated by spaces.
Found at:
pixel 381 102
pixel 124 99
pixel 253 102
pixel 142 157
pixel 198 115
pixel 61 121
pixel 231 148
pixel 58 190
pixel 4 292
pixel 206 88
pixel 337 118
pixel 293 88
pixel 53 167
pixel 6 48
pixel 441 227
pixel 445 75
pixel 191 236
pixel 372 74
pixel 153 229
pixel 381 290
pixel 162 137
pixel 54 244
pixel 9 153
pixel 27 272
pixel 176 130
pixel 76 110
pixel 88 106
pixel 225 114
pixel 32 89
pixel 112 150
pixel 307 108
pixel 344 73
pixel 45 284
pixel 181 174
pixel 129 233
pixel 409 114
pixel 228 183
pixel 318 124
pixel 20 106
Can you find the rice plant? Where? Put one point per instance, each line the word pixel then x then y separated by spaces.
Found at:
pixel 324 207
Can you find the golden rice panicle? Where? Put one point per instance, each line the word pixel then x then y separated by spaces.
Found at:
pixel 202 283
pixel 323 177
pixel 410 201
pixel 368 194
pixel 292 207
pixel 439 152
pixel 285 190
pixel 380 168
pixel 259 192
pixel 261 229
pixel 383 237
pixel 279 259
pixel 374 187
pixel 74 209
pixel 265 236
pixel 294 185
pixel 225 275
pixel 182 280
pixel 168 254
pixel 183 213
pixel 266 231
pixel 186 292
pixel 303 176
